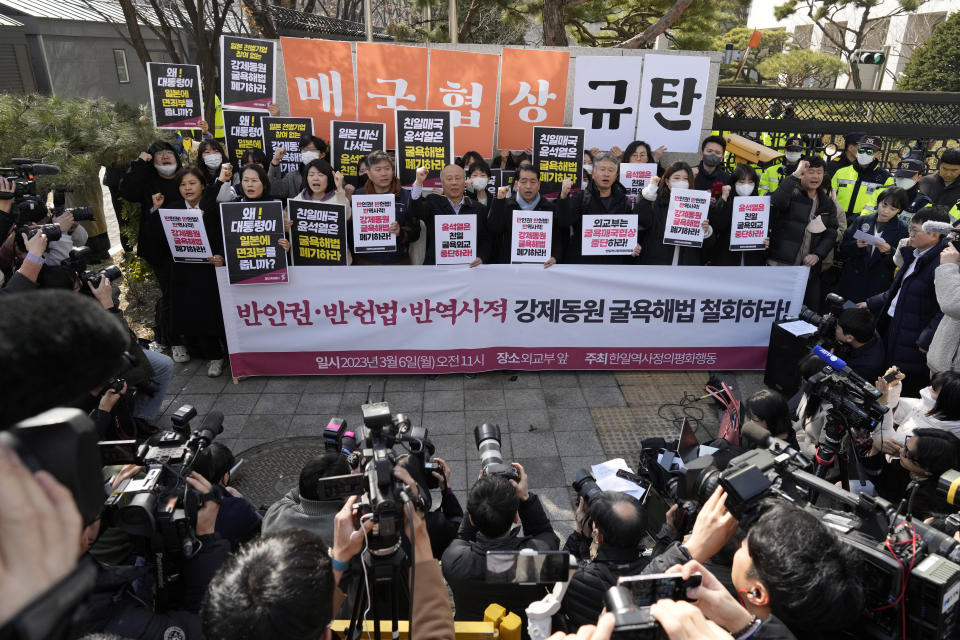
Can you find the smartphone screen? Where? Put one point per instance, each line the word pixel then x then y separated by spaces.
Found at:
pixel 114 452
pixel 647 589
pixel 655 509
pixel 528 567
pixel 336 487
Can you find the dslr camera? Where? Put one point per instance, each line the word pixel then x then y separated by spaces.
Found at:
pixel 79 259
pixel 826 323
pixel 488 441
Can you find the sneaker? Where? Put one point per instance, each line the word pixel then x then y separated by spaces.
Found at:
pixel 215 368
pixel 180 353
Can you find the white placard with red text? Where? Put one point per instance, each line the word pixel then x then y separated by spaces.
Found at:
pixel 750 222
pixel 186 234
pixel 408 319
pixel 634 176
pixel 685 215
pixel 372 216
pixel 456 238
pixel 609 234
pixel 531 237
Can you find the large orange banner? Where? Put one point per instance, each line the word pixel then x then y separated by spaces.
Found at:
pixel 465 84
pixel 319 80
pixel 390 77
pixel 533 93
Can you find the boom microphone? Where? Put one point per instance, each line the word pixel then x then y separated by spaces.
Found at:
pixel 838 364
pixel 36 168
pixel 942 228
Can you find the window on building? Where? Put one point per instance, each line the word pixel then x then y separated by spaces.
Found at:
pixel 120 59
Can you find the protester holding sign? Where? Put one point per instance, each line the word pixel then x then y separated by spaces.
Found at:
pixel 604 194
pixel 639 151
pixel 382 179
pixel 652 209
pixel 743 182
pixel 286 185
pixel 196 320
pixel 450 202
pixel 322 184
pixel 527 198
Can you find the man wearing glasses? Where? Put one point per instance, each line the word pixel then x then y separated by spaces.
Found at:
pixel 857 184
pixel 908 312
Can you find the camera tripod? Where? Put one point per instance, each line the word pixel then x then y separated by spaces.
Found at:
pixel 384 571
pixel 836 445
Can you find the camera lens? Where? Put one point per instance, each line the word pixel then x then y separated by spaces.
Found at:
pixel 586 486
pixel 488 444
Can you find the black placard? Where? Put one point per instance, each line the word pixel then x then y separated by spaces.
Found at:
pixel 557 155
pixel 424 139
pixel 286 132
pixel 251 232
pixel 319 233
pixel 243 131
pixel 352 141
pixel 175 97
pixel 246 73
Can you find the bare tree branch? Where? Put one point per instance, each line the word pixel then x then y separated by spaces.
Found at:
pixel 650 33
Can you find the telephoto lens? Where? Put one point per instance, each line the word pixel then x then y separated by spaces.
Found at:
pixel 52 231
pixel 491 457
pixel 586 486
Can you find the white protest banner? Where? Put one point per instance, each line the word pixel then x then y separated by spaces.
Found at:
pixel 672 98
pixel 634 176
pixel 531 237
pixel 456 239
pixel 751 219
pixel 687 210
pixel 372 216
pixel 378 320
pixel 605 96
pixel 186 234
pixel 609 235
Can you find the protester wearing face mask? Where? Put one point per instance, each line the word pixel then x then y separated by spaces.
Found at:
pixel 906 177
pixel 710 170
pixel 478 178
pixel 287 185
pixel 943 187
pixel 772 175
pixel 856 184
pixel 153 173
pixel 743 182
pixel 868 268
pixel 652 211
pixel 210 157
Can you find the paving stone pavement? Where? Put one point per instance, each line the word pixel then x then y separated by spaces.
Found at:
pixel 553 423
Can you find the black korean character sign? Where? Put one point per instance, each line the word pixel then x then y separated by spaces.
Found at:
pixel 247 73
pixel 557 155
pixel 319 233
pixel 673 94
pixel 350 142
pixel 243 131
pixel 175 97
pixel 287 133
pixel 251 232
pixel 424 139
pixel 605 95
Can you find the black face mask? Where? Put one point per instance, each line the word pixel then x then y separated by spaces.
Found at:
pixel 711 160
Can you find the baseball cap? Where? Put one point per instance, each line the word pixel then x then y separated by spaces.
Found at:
pixel 872 142
pixel 793 144
pixel 908 168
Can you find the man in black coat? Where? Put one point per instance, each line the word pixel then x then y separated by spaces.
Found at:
pixel 527 198
pixel 710 171
pixel 863 351
pixel 451 202
pixel 618 523
pixel 803 223
pixel 943 187
pixel 908 312
pixel 494 505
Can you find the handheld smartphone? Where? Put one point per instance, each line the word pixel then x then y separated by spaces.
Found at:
pixel 647 589
pixel 890 377
pixel 339 487
pixel 528 567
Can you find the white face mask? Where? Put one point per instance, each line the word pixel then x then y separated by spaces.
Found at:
pixel 864 159
pixel 744 189
pixel 213 160
pixel 792 156
pixel 904 183
pixel 926 394
pixel 306 157
pixel 679 184
pixel 165 169
pixel 479 184
pixel 588 168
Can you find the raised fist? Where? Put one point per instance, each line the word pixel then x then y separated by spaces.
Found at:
pixel 157 200
pixel 146 157
pixel 503 192
pixel 421 175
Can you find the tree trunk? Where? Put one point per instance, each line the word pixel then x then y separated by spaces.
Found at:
pixel 262 18
pixel 130 15
pixel 665 22
pixel 468 19
pixel 554 23
pixel 855 76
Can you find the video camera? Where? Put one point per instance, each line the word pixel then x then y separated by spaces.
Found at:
pixel 28 205
pixel 826 324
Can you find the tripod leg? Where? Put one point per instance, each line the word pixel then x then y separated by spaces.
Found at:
pixel 395 605
pixel 356 619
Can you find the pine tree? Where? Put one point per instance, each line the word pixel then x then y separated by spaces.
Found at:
pixel 935 64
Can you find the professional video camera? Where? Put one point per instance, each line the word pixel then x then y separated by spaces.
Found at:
pixel 79 259
pixel 826 324
pixel 28 206
pixel 488 440
pixel 159 510
pixel 338 438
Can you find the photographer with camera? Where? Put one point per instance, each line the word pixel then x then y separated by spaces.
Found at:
pixel 944 353
pixel 122 601
pixel 25 278
pixel 494 504
pixel 862 348
pixel 618 528
pixel 302 506
pixel 238 521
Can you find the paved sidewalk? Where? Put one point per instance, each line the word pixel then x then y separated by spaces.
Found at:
pixel 552 423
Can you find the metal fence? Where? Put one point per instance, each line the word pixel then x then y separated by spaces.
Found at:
pixel 910 122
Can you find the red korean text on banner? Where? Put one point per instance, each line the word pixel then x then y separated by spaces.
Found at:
pixel 533 92
pixel 465 83
pixel 319 80
pixel 390 77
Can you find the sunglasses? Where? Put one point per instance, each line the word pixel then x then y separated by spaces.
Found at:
pixel 866 150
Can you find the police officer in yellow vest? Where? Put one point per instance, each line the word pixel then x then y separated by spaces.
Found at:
pixel 773 174
pixel 857 183
pixel 906 176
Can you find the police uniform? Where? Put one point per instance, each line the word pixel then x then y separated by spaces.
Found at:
pixel 772 175
pixel 907 168
pixel 856 184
